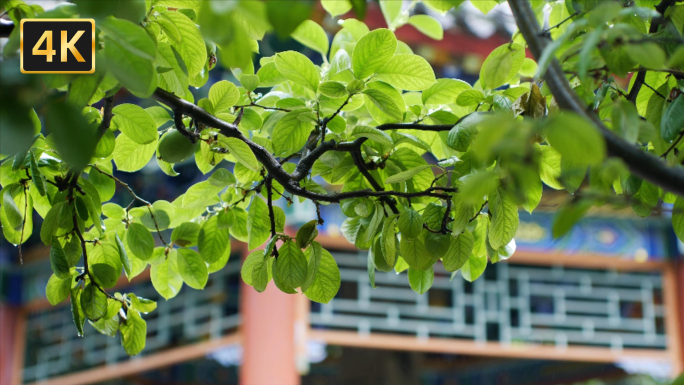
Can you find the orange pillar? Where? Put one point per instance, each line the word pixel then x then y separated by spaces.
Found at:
pixel 268 337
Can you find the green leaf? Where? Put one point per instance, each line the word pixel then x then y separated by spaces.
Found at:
pixel 76 310
pixel 389 240
pixel 444 91
pixel 421 280
pixel 296 11
pixel 312 35
pixel 37 177
pixel 262 274
pixel 109 324
pixel 672 122
pixel 58 260
pixel 133 333
pixel 51 223
pixel 326 280
pixel 410 223
pixel 372 134
pixel 291 268
pixel 649 55
pixel 290 133
pixel 269 75
pixel 255 258
pixel 406 175
pixel 57 289
pixel 192 268
pixel 428 25
pixel 93 302
pixel 162 211
pixel 73 137
pixel 14 215
pixel 678 218
pixel 186 235
pixel 501 65
pixel 469 98
pixel 104 185
pixel 123 255
pixel 298 68
pixel 130 53
pixel 141 304
pixel 550 167
pixel 242 153
pixel 223 95
pixel 626 120
pixel 459 251
pixel 136 123
pixel 391 10
pixel 166 279
pixel 383 102
pixel 474 267
pixel 104 274
pixel 250 82
pixel 131 156
pixel 414 252
pixel 133 10
pixel 176 80
pixel 191 46
pixel 370 265
pixel 333 89
pixel 505 220
pixel 202 194
pixel 408 72
pixel 568 215
pixel 576 139
pixel 336 7
pixel 372 52
pixel 307 233
pixel 258 223
pixel 140 241
pixel 212 240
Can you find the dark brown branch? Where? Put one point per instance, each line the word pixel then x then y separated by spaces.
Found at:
pixel 107 116
pixel 358 161
pixel 416 126
pixel 271 215
pixel 272 165
pixel 641 76
pixel 640 163
pixel 180 126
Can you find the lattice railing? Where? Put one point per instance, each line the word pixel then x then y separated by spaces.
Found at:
pixel 53 348
pixel 510 304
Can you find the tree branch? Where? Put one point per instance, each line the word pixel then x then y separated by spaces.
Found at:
pixel 107 116
pixel 640 163
pixel 641 76
pixel 271 215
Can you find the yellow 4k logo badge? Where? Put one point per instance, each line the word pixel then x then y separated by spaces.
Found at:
pixel 58 46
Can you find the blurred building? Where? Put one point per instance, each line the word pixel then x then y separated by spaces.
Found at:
pixel 603 302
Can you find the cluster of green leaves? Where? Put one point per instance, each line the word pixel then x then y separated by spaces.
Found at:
pixel 595 42
pixel 425 170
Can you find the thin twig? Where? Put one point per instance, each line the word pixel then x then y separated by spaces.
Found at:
pixel 674 144
pixel 262 107
pixel 546 31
